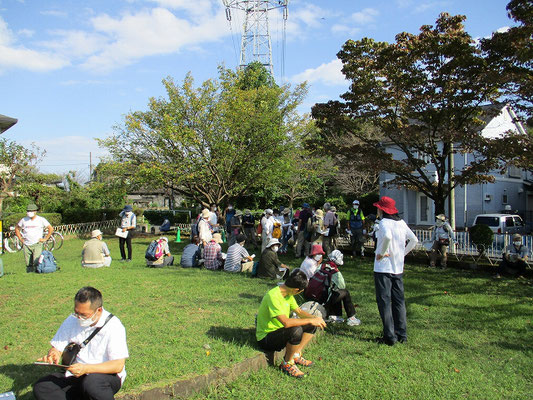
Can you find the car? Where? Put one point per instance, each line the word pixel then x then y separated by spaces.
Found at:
pixel 502 223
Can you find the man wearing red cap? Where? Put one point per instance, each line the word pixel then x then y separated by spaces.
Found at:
pixel 392 235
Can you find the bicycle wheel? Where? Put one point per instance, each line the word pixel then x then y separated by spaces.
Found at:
pixel 12 244
pixel 58 240
pixel 49 244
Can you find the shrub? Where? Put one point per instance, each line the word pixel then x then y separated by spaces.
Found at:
pixel 482 236
pixel 156 217
pixel 79 215
pixel 13 219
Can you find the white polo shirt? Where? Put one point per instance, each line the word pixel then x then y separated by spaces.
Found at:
pixel 108 344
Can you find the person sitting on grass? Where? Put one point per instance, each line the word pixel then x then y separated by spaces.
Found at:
pixel 269 264
pixel 237 258
pixel 95 253
pixel 275 329
pixel 213 256
pixel 514 260
pixel 191 254
pixel 312 261
pixel 165 259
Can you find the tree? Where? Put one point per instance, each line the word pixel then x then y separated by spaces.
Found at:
pixel 15 162
pixel 211 143
pixel 423 93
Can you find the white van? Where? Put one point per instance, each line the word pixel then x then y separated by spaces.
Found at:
pixel 502 223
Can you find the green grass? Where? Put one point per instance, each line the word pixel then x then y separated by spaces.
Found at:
pixel 469 336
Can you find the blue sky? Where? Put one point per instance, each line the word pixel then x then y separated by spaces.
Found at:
pixel 71 69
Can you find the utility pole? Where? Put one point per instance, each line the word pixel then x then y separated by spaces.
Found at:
pixel 451 179
pixel 90 166
pixel 255 41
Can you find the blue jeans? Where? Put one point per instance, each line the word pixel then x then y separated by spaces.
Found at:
pixel 391 305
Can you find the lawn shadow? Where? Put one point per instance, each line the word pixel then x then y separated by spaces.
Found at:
pixel 238 336
pixel 23 376
pixel 251 296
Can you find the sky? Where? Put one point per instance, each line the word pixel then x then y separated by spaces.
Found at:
pixel 70 70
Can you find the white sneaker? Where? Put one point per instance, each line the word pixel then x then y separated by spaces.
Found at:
pixel 352 321
pixel 335 319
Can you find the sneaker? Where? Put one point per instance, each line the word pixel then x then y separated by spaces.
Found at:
pixel 291 370
pixel 335 319
pixel 497 276
pixel 352 321
pixel 123 260
pixel 303 362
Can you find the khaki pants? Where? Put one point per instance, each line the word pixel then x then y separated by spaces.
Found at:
pixel 435 249
pixel 302 244
pixel 31 255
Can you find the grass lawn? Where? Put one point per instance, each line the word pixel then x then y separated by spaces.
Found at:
pixel 469 336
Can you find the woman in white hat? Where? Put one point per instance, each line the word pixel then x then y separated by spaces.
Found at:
pixel 269 264
pixel 95 253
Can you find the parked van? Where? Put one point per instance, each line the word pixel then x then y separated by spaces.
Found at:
pixel 502 223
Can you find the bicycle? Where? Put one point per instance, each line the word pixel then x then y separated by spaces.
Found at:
pixel 12 243
pixel 54 242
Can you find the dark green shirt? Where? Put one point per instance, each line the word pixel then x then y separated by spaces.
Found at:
pixel 268 264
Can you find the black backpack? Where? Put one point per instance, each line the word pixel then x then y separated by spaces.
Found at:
pixel 317 289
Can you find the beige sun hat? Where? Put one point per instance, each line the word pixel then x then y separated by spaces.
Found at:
pixel 205 213
pixel 319 213
pixel 442 217
pixel 217 237
pixel 96 233
pixel 272 242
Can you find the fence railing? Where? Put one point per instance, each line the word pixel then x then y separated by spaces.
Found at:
pixel 86 227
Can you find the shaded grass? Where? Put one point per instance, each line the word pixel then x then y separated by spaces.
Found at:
pixel 469 336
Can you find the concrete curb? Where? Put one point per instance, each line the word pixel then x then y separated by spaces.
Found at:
pixel 219 376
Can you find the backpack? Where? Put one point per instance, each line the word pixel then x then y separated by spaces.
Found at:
pixel 317 288
pixel 276 231
pixel 154 250
pixel 47 263
pixel 195 231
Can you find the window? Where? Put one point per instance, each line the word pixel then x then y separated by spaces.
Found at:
pixel 509 222
pixel 423 214
pixel 518 221
pixel 504 198
pixel 490 221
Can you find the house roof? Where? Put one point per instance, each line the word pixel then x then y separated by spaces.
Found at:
pixel 6 122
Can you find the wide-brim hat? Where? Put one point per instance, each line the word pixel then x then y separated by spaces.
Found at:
pixel 316 249
pixel 164 238
pixel 319 213
pixel 337 257
pixel 272 242
pixel 386 204
pixel 442 217
pixel 128 208
pixel 205 213
pixel 247 212
pixel 32 207
pixel 217 238
pixel 96 233
pixel 269 211
pixel 238 213
pixel 285 211
pixel 333 209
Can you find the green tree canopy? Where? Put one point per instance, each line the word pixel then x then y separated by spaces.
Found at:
pixel 213 142
pixel 422 93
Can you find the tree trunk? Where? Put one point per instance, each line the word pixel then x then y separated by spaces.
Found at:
pixel 439 205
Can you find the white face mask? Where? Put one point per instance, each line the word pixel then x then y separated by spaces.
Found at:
pixel 30 214
pixel 128 213
pixel 230 208
pixel 517 243
pixel 275 249
pixel 84 323
pixel 317 257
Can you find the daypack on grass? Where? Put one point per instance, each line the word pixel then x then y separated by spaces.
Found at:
pixel 317 289
pixel 47 263
pixel 154 250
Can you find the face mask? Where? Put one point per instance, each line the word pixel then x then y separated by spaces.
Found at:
pixel 318 257
pixel 355 207
pixel 517 243
pixel 230 208
pixel 439 223
pixel 275 249
pixel 84 323
pixel 128 213
pixel 30 214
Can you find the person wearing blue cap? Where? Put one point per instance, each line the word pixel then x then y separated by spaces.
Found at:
pixel 128 224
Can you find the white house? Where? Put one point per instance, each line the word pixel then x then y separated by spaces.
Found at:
pixel 511 190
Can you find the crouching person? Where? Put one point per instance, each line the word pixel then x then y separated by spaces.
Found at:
pixel 95 253
pixel 97 371
pixel 275 329
pixel 162 255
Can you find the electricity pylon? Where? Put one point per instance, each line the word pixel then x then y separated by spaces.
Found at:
pixel 255 40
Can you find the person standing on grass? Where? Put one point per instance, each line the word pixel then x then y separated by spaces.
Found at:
pixel 275 329
pixel 355 226
pixel 29 231
pixel 205 230
pixel 128 223
pixel 97 372
pixel 392 235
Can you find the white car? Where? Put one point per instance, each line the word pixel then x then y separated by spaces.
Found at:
pixel 502 223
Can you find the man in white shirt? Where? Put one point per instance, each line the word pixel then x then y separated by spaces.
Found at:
pixel 30 230
pixel 267 223
pixel 128 223
pixel 97 372
pixel 392 235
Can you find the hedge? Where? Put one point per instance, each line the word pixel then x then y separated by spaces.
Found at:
pixel 156 217
pixel 12 219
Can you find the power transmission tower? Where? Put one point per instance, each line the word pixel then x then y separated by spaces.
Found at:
pixel 255 41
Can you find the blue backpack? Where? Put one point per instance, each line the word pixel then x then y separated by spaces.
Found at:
pixel 150 254
pixel 47 263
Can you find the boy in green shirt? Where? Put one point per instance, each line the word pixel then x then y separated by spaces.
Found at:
pixel 276 330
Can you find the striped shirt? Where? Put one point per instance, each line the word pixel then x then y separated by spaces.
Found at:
pixel 234 257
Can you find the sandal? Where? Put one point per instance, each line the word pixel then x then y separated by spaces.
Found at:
pixel 291 370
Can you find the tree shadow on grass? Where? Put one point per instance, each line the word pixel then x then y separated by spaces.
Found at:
pixel 24 376
pixel 238 336
pixel 251 296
